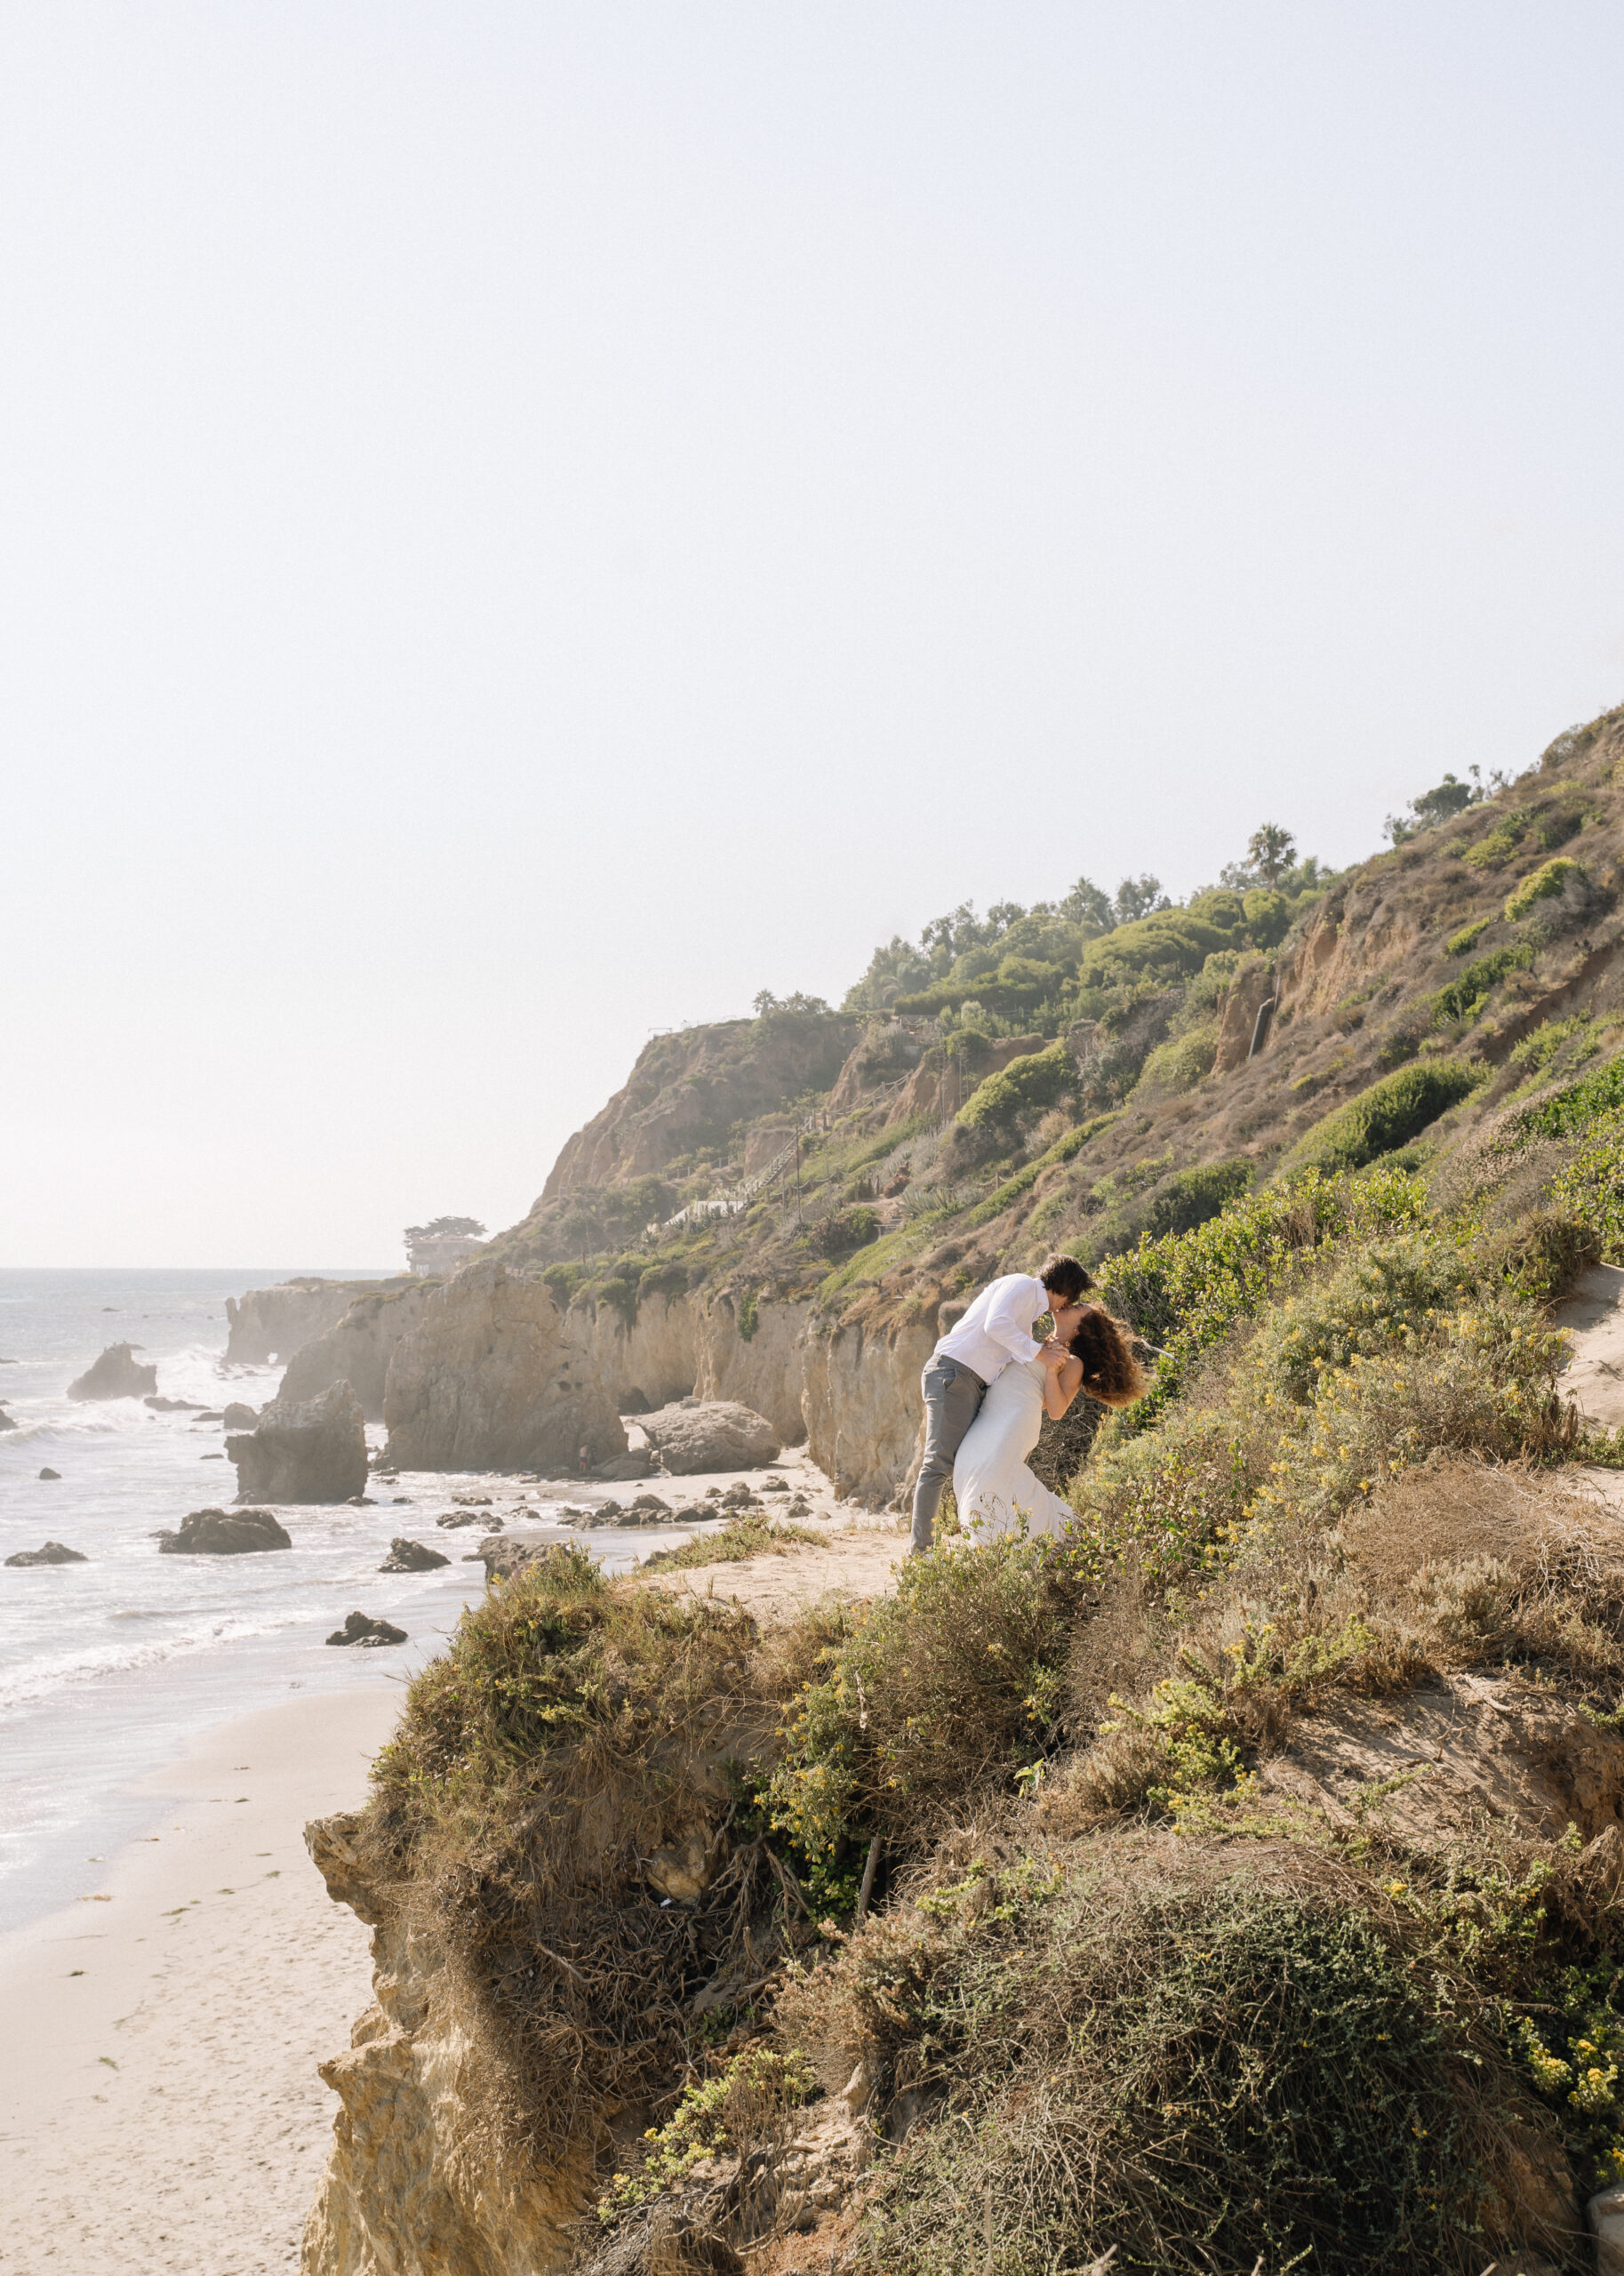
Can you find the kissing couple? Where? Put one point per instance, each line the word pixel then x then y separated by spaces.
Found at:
pixel 990 1382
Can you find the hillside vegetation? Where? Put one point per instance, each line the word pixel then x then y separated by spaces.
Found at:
pixel 1238 1884
pixel 1084 1073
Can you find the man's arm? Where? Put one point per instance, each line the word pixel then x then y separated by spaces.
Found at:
pixel 1021 1300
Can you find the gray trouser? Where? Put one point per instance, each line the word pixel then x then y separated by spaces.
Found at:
pixel 952 1398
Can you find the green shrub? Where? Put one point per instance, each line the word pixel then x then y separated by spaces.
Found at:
pixel 1027 1086
pixel 755 1535
pixel 1500 846
pixel 749 1317
pixel 1544 885
pixel 1466 938
pixel 561 1281
pixel 1465 997
pixel 1536 1051
pixel 1268 916
pixel 1177 1065
pixel 1591 1187
pixel 1185 1292
pixel 1387 1116
pixel 1210 2074
pixel 932 1695
pixel 1572 1112
pixel 1195 1195
pixel 844 1232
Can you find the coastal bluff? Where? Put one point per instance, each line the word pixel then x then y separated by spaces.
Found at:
pixel 268 1324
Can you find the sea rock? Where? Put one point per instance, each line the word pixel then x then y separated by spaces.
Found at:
pixel 715 1434
pixel 489 1380
pixel 239 1415
pixel 224 1533
pixel 369 1634
pixel 54 1552
pixel 116 1375
pixel 410 1557
pixel 51 1473
pixel 467 1518
pixel 503 1557
pixel 165 1406
pixel 6 1424
pixel 310 1452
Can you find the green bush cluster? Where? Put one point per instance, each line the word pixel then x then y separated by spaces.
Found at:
pixel 1466 997
pixel 1591 1186
pixel 1545 883
pixel 1572 1109
pixel 1027 1086
pixel 1387 1116
pixel 1462 942
pixel 1193 1196
pixel 940 1691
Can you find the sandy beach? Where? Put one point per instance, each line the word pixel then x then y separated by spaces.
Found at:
pixel 159 2105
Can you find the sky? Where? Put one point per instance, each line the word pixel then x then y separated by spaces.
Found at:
pixel 522 526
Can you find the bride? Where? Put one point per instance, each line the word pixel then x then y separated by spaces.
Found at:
pixel 991 1483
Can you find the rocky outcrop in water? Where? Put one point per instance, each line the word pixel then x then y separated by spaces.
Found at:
pixel 357 1349
pixel 54 1552
pixel 116 1375
pixel 224 1532
pixel 410 1557
pixel 367 1634
pixel 489 1378
pixel 309 1451
pixel 715 1434
pixel 237 1416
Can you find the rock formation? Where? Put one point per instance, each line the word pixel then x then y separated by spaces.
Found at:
pixel 54 1552
pixel 6 1422
pixel 50 1473
pixel 409 2088
pixel 271 1323
pixel 410 1557
pixel 502 1556
pixel 224 1533
pixel 161 1405
pixel 357 1349
pixel 116 1375
pixel 490 1379
pixel 313 1451
pixel 239 1416
pixel 715 1434
pixel 689 1089
pixel 368 1634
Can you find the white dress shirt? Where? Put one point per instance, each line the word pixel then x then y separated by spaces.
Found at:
pixel 997 1328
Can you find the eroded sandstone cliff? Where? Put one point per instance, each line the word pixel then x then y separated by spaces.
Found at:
pixel 358 1347
pixel 493 1377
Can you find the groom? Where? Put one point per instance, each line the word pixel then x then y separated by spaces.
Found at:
pixel 994 1333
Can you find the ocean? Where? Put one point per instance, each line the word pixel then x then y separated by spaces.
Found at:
pixel 109 1668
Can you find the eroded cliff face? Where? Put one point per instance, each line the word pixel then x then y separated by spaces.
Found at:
pixel 358 1347
pixel 849 1393
pixel 492 1378
pixel 412 2187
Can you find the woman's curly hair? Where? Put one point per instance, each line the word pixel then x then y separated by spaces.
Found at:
pixel 1110 1372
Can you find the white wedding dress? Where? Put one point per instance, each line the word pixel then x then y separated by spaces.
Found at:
pixel 991 1483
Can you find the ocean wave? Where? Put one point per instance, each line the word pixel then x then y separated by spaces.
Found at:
pixel 42 1678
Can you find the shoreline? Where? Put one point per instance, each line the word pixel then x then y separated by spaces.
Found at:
pixel 159 2102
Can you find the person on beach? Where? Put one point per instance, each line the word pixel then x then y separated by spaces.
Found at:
pixel 994 1334
pixel 992 1484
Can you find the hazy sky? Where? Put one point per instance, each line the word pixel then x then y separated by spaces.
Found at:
pixel 523 524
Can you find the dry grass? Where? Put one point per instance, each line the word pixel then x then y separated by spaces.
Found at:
pixel 743 1537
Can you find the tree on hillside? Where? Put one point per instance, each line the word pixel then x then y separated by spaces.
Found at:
pixel 1087 906
pixel 1448 798
pixel 436 1226
pixel 1271 851
pixel 1138 897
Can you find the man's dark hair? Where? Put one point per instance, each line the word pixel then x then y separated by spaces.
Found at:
pixel 1065 1278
